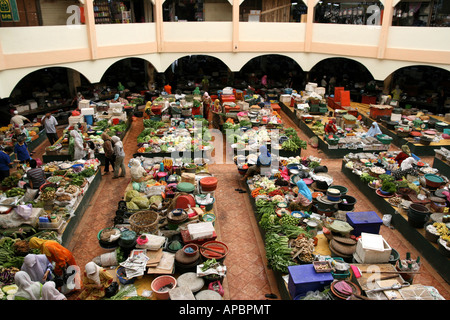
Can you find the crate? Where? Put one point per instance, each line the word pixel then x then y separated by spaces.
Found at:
pixel 365 249
pixel 377 111
pixel 75 119
pixel 366 221
pixel 56 226
pixel 304 278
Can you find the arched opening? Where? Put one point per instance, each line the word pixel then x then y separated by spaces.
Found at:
pixel 47 89
pixel 135 74
pixel 281 72
pixel 422 87
pixel 48 86
pixel 188 72
pixel 347 73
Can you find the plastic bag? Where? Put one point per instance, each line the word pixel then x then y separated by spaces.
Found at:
pixel 30 194
pixel 141 202
pixel 131 194
pixel 24 210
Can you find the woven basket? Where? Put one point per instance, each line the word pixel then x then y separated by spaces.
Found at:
pixel 144 221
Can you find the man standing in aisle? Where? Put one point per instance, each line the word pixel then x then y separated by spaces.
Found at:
pixel 50 124
pixel 17 120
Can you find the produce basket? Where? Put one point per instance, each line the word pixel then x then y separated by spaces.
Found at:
pixel 332 141
pixel 322 266
pixel 144 221
pixel 384 139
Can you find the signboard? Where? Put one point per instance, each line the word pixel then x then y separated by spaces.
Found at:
pixel 8 11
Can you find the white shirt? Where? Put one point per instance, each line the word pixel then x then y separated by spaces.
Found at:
pixel 50 124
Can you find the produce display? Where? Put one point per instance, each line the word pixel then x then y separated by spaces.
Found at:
pixel 288 240
pixel 404 188
pixel 162 137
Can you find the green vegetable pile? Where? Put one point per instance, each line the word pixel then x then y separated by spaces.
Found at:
pixel 8 258
pixel 288 219
pixel 14 192
pixel 294 142
pixel 365 177
pixel 88 172
pixel 153 124
pixel 278 253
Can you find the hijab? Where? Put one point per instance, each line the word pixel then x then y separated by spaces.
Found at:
pixel 374 130
pixel 265 158
pixel 406 149
pixel 35 266
pixel 49 292
pixel 28 289
pixel 116 141
pixel 92 272
pixel 407 163
pixel 38 243
pixel 304 190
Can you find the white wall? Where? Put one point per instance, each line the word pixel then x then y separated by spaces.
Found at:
pixel 346 34
pixel 32 39
pixel 272 31
pixel 426 38
pixel 123 34
pixel 214 31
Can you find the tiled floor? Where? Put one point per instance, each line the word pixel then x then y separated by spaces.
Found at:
pixel 248 278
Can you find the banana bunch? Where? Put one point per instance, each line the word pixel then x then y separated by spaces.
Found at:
pixel 441 228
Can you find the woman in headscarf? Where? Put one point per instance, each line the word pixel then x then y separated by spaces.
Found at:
pixel 49 292
pixel 95 281
pixel 264 160
pixel 304 196
pixel 108 148
pixel 374 130
pixel 27 288
pixel 206 105
pixel 37 266
pixel 54 252
pixel 79 151
pixel 405 153
pixel 137 171
pixel 119 164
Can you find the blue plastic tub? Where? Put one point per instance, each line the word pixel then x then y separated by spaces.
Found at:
pixel 366 221
pixel 304 278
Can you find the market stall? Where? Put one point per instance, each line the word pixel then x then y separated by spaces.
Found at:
pixel 422 132
pixel 316 247
pixel 56 206
pixel 108 117
pixel 442 161
pixel 413 200
pixel 163 234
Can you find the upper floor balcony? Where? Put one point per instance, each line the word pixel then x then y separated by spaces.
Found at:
pixel 70 31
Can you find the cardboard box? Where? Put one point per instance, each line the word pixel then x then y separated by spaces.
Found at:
pixel 76 119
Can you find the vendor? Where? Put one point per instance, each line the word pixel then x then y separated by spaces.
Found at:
pixel 216 111
pixel 137 171
pixel 330 127
pixel 35 175
pixel 27 288
pixel 304 197
pixel 38 267
pixel 18 120
pixel 21 150
pixel 264 160
pixel 405 153
pixel 206 99
pixel 374 130
pixel 78 145
pixel 168 89
pixel 55 253
pixel 49 292
pixel 5 162
pixel 95 281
